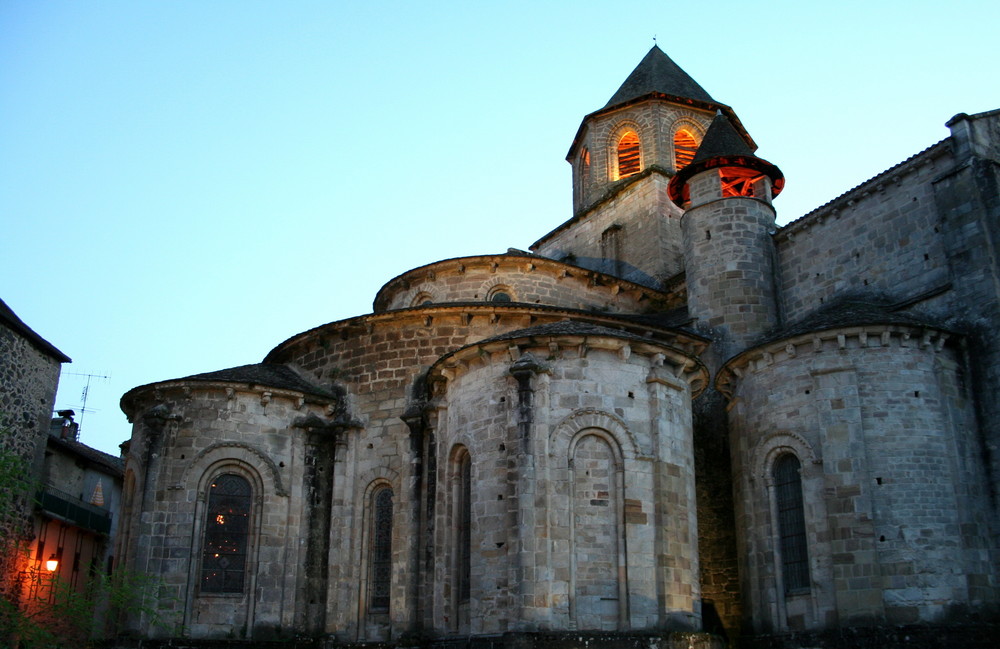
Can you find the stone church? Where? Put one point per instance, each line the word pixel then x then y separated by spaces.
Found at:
pixel 670 419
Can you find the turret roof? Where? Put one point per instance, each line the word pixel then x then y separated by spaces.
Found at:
pixel 721 139
pixel 723 146
pixel 658 73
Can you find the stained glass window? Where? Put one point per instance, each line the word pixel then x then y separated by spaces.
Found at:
pixel 227 532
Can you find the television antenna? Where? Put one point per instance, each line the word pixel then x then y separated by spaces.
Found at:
pixel 86 392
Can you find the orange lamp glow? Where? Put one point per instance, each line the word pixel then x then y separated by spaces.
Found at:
pixel 52 563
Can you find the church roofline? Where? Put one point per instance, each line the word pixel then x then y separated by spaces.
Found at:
pixel 935 150
pixel 512 255
pixel 630 322
pixel 774 350
pixel 612 191
pixel 275 376
pixel 575 333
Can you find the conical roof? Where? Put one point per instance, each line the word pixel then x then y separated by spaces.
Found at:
pixel 721 139
pixel 658 73
pixel 723 146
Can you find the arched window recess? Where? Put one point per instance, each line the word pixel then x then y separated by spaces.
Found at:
pixel 629 158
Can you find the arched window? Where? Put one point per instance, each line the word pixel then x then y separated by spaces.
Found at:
pixel 584 175
pixel 500 293
pixel 628 155
pixel 685 147
pixel 460 536
pixel 791 522
pixel 422 299
pixel 380 561
pixel 227 533
pixel 464 528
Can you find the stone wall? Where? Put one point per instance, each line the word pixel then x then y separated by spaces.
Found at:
pixel 897 517
pixel 633 233
pixel 582 491
pixel 524 279
pixel 28 381
pixel 883 239
pixel 184 436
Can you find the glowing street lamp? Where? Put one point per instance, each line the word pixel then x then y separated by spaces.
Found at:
pixel 52 563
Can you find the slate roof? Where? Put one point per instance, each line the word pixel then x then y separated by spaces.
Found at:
pixel 269 374
pixel 658 73
pixel 10 319
pixel 109 463
pixel 850 312
pixel 723 146
pixel 721 139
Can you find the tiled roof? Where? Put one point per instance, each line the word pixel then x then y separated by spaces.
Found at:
pixel 849 312
pixel 657 73
pixel 111 464
pixel 268 374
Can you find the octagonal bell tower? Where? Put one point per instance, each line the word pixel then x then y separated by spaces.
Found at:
pixel 623 156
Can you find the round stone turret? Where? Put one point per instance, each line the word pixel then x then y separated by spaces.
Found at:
pixel 726 230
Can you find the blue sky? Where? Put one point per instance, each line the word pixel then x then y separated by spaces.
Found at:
pixel 184 185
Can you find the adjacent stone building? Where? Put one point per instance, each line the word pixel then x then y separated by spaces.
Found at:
pixel 670 416
pixel 29 376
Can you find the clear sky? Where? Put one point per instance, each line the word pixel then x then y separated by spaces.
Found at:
pixel 184 185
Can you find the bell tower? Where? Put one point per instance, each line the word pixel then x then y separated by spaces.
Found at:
pixel 623 157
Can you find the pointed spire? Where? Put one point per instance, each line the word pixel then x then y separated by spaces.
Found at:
pixel 721 139
pixel 657 73
pixel 723 146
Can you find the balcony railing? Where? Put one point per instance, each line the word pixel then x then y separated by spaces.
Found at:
pixel 84 515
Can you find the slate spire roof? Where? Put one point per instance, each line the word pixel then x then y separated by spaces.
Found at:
pixel 658 73
pixel 723 146
pixel 721 139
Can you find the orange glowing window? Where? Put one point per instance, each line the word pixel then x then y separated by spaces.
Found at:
pixel 628 155
pixel 737 181
pixel 684 148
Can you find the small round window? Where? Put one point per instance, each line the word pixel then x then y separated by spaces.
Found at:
pixel 422 299
pixel 500 294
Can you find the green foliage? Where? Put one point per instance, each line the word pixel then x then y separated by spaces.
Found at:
pixel 50 613
pixel 15 486
pixel 38 610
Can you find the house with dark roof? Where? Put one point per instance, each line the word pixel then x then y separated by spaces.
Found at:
pixel 29 376
pixel 671 421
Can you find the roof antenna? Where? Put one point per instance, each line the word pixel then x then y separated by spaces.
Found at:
pixel 654 39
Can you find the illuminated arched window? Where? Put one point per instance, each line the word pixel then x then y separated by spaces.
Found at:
pixel 584 174
pixel 628 155
pixel 791 522
pixel 684 148
pixel 380 562
pixel 227 534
